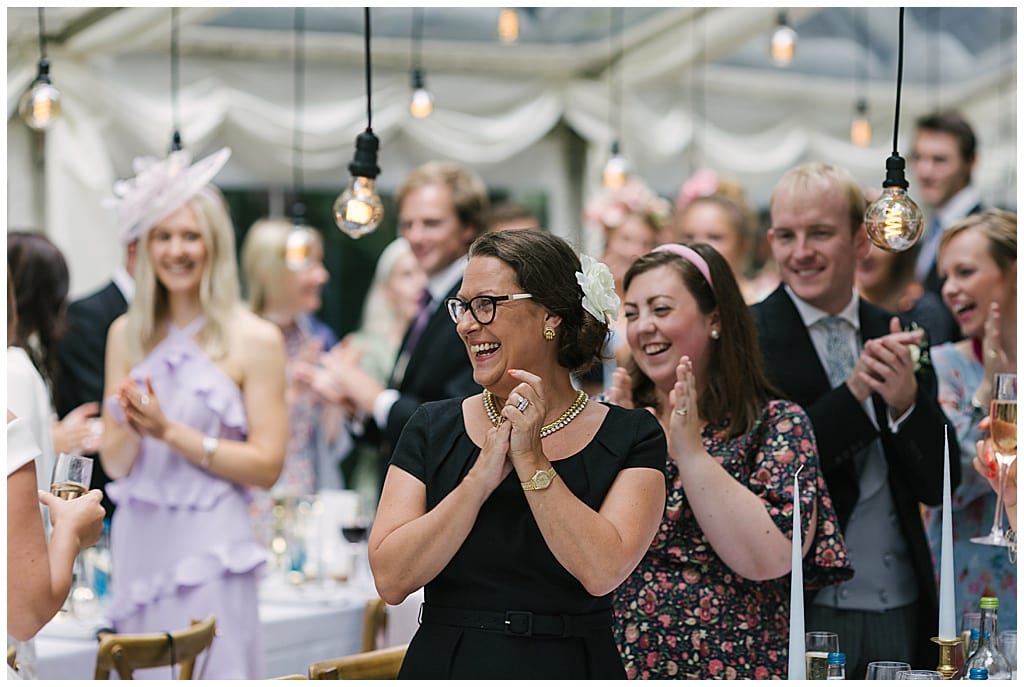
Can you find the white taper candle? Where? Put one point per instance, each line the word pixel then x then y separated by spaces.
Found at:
pixel 947 580
pixel 797 666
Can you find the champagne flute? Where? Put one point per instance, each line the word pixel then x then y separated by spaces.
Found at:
pixel 1003 431
pixel 71 477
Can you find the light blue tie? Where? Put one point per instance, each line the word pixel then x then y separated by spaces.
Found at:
pixel 839 360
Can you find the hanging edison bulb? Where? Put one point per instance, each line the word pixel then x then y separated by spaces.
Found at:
pixel 508 25
pixel 298 249
pixel 860 127
pixel 422 103
pixel 358 209
pixel 894 221
pixel 40 106
pixel 616 170
pixel 783 44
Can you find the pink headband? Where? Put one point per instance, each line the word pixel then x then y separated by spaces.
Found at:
pixel 691 256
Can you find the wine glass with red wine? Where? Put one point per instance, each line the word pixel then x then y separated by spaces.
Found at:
pixel 355 529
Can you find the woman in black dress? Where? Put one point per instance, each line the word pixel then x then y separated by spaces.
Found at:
pixel 521 509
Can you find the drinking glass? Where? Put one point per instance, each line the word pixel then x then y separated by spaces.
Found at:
pixel 817 646
pixel 969 620
pixel 919 675
pixel 355 528
pixel 72 475
pixel 1004 444
pixel 1008 648
pixel 885 670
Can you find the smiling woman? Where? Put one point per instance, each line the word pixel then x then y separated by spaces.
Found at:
pixel 195 413
pixel 572 489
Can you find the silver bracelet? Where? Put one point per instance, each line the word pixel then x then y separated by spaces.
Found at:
pixel 210 445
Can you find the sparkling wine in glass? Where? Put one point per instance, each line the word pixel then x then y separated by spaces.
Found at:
pixel 1003 431
pixel 72 475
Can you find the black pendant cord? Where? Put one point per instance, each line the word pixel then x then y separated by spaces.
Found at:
pixel 417 37
pixel 298 210
pixel 615 75
pixel 42 36
pixel 369 82
pixel 175 83
pixel 862 72
pixel 899 90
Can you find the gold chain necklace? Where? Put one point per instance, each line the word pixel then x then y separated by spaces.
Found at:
pixel 565 418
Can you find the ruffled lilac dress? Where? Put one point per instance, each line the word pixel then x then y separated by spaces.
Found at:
pixel 182 542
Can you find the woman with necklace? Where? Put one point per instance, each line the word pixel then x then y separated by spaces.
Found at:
pixel 521 509
pixel 196 415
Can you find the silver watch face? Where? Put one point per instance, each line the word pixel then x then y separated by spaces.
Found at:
pixel 542 479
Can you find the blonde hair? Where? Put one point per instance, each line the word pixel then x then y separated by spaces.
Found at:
pixel 218 288
pixel 812 177
pixel 263 260
pixel 999 227
pixel 379 316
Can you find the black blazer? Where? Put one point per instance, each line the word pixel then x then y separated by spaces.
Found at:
pixel 932 281
pixel 842 429
pixel 438 368
pixel 81 358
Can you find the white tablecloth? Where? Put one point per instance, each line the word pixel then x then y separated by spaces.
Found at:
pixel 296 632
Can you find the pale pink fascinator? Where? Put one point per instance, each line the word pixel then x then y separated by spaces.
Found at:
pixel 691 256
pixel 160 187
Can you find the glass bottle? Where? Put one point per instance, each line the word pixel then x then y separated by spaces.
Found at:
pixel 978 674
pixel 836 666
pixel 987 655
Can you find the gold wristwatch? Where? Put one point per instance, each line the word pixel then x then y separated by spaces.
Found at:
pixel 541 480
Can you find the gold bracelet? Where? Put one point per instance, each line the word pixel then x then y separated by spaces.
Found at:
pixel 210 445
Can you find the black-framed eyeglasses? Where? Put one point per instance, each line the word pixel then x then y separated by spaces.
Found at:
pixel 481 307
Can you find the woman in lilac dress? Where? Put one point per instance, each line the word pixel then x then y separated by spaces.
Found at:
pixel 195 386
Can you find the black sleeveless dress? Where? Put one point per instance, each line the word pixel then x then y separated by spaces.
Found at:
pixel 504 564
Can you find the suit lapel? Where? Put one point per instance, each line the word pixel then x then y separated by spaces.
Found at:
pixel 799 370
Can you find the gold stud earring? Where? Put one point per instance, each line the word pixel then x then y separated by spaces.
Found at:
pixel 714 334
pixel 549 333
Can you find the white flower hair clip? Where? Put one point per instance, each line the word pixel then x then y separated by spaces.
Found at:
pixel 598 285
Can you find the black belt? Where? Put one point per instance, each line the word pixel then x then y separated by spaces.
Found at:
pixel 517 623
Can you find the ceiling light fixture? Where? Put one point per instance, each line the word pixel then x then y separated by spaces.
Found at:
pixel 176 143
pixel 617 169
pixel 783 44
pixel 298 249
pixel 860 127
pixel 358 209
pixel 422 103
pixel 40 106
pixel 508 25
pixel 894 220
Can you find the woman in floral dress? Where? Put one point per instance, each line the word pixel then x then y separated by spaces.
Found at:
pixel 711 597
pixel 978 258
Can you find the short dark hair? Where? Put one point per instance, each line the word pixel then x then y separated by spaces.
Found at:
pixel 469 194
pixel 737 385
pixel 545 266
pixel 955 125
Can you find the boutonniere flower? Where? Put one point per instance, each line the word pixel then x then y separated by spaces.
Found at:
pixel 919 354
pixel 598 286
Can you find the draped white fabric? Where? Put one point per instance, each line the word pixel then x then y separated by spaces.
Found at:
pixel 519 128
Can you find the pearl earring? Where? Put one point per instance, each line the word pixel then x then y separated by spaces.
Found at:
pixel 714 334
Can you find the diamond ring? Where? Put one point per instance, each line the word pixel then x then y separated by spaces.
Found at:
pixel 681 411
pixel 144 400
pixel 523 403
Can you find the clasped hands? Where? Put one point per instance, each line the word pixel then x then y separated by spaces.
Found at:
pixel 886 367
pixel 515 443
pixel 336 378
pixel 141 408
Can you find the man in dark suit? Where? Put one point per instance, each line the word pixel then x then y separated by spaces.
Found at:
pixel 876 419
pixel 442 208
pixel 942 161
pixel 81 353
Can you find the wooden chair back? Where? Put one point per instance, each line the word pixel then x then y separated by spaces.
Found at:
pixel 127 653
pixel 375 620
pixel 381 664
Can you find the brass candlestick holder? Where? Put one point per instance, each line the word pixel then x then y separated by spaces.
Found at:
pixel 947 657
